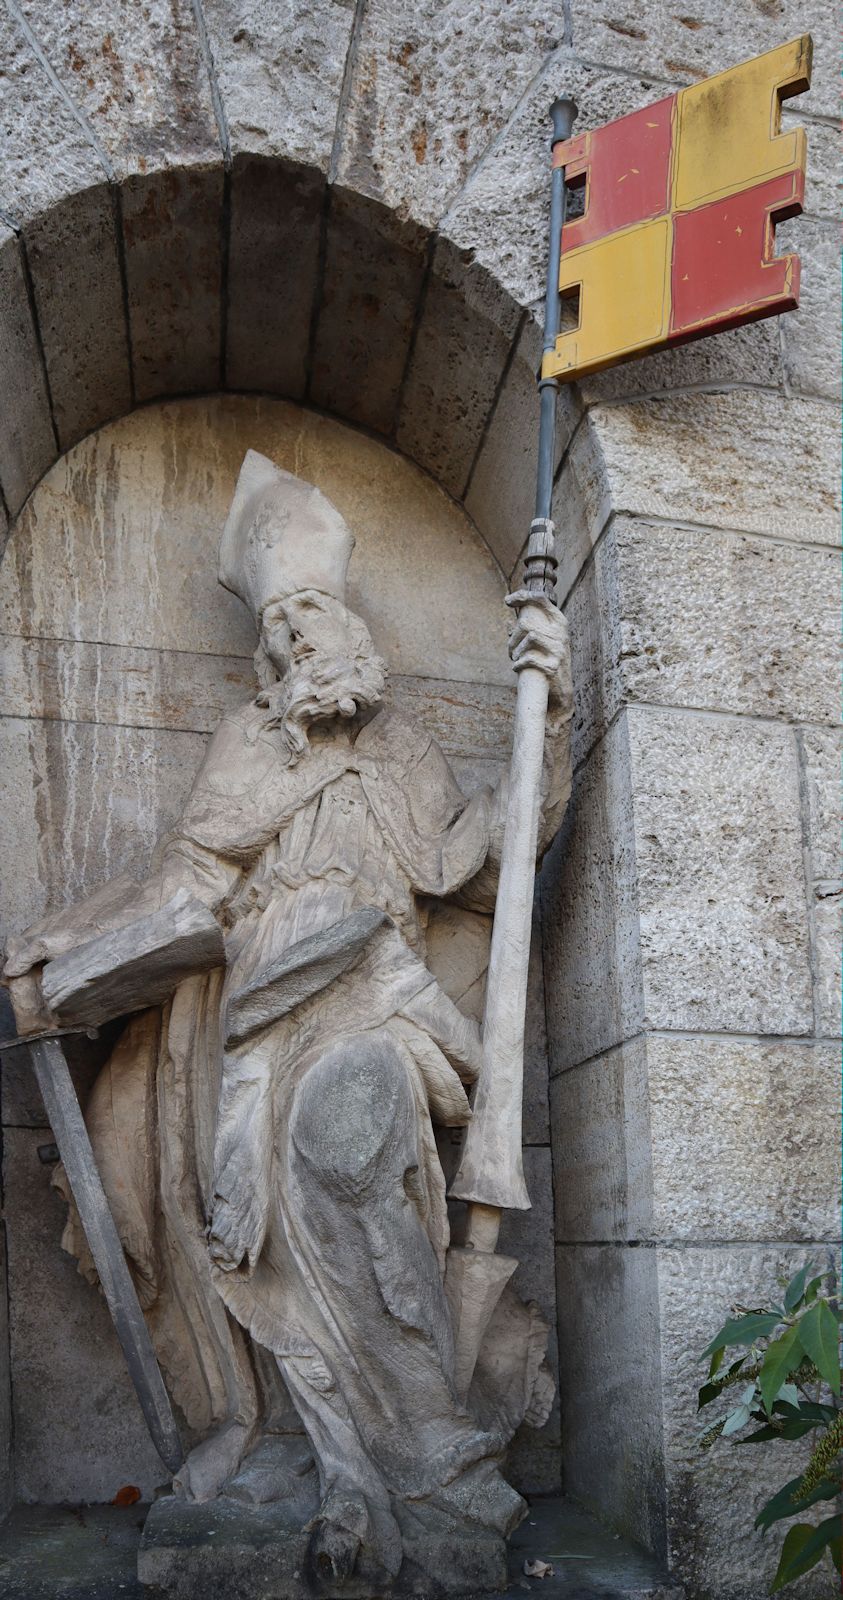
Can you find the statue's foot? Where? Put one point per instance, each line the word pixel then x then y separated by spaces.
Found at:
pixel 279 1468
pixel 209 1466
pixel 349 1535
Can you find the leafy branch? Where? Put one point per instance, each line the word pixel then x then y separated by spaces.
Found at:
pixel 789 1385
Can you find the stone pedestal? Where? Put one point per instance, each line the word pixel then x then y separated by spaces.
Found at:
pixel 227 1550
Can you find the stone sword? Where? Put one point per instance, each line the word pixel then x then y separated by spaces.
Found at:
pixel 74 1147
pixel 490 1176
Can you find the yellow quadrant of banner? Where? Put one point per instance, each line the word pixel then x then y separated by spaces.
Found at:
pixel 727 129
pixel 624 284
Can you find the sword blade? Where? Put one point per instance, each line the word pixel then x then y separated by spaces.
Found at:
pixel 71 1136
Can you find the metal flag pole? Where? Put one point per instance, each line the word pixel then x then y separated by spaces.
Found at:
pixel 491 1175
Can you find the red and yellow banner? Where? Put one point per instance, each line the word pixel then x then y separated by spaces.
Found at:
pixel 677 237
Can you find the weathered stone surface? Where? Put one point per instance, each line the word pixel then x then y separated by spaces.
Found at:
pixel 172 228
pixel 280 71
pixel 684 48
pixel 609 1329
pixel 27 441
pixel 721 892
pixel 374 270
pixel 751 1126
pixel 503 213
pixel 747 460
pixel 811 356
pixel 137 511
pixel 713 1496
pixel 602 1166
pixel 720 621
pixel 191 691
pixel 581 505
pixel 137 75
pixel 532 1463
pixel 590 914
pixel 822 178
pixel 78 1429
pixel 430 89
pixel 6 1481
pixel 502 492
pixel 464 337
pixel 737 357
pixel 73 259
pixel 593 611
pixel 64 831
pixel 820 751
pixel 276 213
pixel 46 154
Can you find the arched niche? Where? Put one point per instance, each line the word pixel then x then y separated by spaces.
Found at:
pixel 121 653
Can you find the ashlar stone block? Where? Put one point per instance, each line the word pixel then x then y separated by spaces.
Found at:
pixel 581 506
pixel 46 154
pixel 822 178
pixel 138 76
pixel 590 912
pixel 744 1138
pixel 717 620
pixel 280 70
pixel 720 885
pixel 65 832
pixel 464 337
pixel 502 213
pixel 172 230
pixel 612 1445
pixel 746 459
pixel 276 210
pixel 73 259
pixel 502 492
pixel 713 1496
pixel 697 43
pixel 820 752
pixel 429 90
pixel 601 1140
pixel 27 440
pixel 374 270
pixel 811 356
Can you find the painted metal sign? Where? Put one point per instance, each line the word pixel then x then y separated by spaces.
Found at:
pixel 677 236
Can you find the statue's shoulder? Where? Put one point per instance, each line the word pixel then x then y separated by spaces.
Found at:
pixel 394 738
pixel 242 748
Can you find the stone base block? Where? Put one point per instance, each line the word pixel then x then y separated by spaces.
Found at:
pixel 225 1550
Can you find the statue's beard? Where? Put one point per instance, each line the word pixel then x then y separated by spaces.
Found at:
pixel 316 689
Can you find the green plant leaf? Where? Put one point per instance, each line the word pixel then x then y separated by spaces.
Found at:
pixel 807 1410
pixel 796 1288
pixel 736 1419
pixel 780 1357
pixel 782 1504
pixel 789 1394
pixel 794 1429
pixel 820 1341
pixel 803 1548
pixel 716 1360
pixel 744 1330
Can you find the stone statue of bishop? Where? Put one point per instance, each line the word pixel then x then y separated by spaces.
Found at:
pixel 266 1138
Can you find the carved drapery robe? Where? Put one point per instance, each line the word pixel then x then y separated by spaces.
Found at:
pixel 199 1124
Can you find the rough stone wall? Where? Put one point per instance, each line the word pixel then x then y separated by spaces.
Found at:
pixel 372 180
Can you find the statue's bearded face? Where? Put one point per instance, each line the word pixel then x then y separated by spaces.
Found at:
pixel 315 661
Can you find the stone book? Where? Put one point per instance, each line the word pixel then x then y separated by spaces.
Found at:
pixel 133 967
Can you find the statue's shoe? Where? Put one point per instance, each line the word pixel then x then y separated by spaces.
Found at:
pixel 279 1467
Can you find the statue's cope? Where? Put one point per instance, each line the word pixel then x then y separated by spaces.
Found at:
pixel 677 236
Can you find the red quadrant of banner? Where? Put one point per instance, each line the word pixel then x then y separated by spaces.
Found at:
pixel 627 165
pixel 723 264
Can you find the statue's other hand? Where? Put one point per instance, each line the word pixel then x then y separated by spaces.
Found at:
pixel 236 1232
pixel 540 639
pixel 23 952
